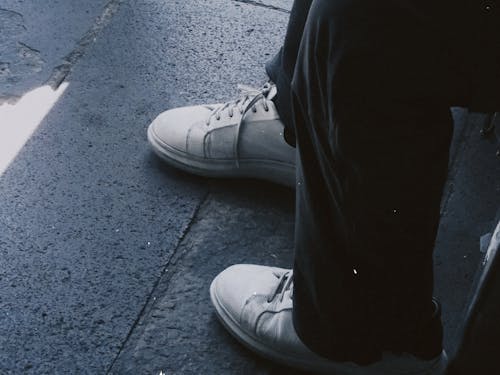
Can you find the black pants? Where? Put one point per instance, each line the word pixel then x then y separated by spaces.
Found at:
pixel 364 87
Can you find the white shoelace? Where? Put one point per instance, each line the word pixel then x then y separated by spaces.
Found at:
pixel 285 284
pixel 247 101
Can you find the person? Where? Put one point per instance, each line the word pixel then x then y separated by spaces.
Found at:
pixel 355 116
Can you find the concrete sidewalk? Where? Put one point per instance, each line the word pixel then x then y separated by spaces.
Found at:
pixel 107 254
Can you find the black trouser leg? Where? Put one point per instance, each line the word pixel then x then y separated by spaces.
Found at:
pixel 280 69
pixel 373 132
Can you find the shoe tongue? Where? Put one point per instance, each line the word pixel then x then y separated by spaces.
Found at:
pixel 272 92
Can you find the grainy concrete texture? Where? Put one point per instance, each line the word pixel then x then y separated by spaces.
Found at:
pixel 106 253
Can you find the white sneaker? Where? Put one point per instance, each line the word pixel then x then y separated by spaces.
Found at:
pixel 255 304
pixel 241 138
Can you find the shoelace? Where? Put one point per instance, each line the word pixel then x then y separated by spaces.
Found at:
pixel 249 97
pixel 285 284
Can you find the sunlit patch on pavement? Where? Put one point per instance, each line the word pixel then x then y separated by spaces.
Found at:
pixel 20 120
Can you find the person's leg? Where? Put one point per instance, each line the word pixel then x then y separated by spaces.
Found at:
pixel 373 130
pixel 371 112
pixel 280 69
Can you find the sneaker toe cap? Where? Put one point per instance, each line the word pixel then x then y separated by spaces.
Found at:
pixel 171 128
pixel 233 287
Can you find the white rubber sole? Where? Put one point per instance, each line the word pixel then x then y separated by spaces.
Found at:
pixel 404 365
pixel 274 171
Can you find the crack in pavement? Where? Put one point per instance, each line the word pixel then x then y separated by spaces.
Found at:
pixel 172 259
pixel 17 59
pixel 13 12
pixel 260 4
pixel 61 72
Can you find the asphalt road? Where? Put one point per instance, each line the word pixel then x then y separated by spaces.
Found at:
pixel 106 253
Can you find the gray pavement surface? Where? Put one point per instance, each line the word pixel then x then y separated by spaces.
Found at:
pixel 38 38
pixel 107 254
